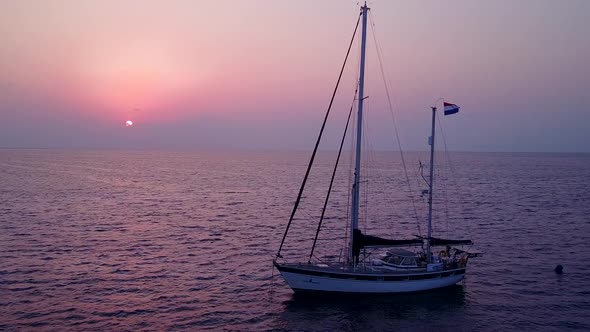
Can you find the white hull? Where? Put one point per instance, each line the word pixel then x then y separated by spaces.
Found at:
pixel 324 283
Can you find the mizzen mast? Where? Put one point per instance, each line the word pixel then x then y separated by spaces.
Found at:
pixel 430 187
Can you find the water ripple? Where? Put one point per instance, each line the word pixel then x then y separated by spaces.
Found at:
pixel 144 240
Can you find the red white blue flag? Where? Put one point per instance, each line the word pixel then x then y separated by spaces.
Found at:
pixel 451 109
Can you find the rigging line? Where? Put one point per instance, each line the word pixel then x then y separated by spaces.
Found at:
pixel 452 169
pixel 447 155
pixel 452 173
pixel 307 215
pixel 447 215
pixel 368 167
pixel 333 176
pixel 378 47
pixel 441 176
pixel 443 181
pixel 315 149
pixel 350 176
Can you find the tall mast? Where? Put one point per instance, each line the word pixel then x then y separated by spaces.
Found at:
pixel 359 132
pixel 431 186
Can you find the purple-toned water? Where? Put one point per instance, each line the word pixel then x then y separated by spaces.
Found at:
pixel 151 240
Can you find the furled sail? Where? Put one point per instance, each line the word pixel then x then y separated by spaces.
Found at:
pixel 447 242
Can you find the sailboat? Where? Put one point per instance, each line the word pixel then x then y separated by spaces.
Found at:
pixel 398 270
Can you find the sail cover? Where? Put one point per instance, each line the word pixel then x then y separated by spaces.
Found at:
pixel 444 242
pixel 360 240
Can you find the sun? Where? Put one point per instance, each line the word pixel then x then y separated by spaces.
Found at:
pixel 128 123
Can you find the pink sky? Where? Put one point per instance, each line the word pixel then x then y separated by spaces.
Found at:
pixel 258 74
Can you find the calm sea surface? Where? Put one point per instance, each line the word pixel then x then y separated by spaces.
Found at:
pixel 151 240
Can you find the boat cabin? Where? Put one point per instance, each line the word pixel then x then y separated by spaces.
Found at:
pixel 400 258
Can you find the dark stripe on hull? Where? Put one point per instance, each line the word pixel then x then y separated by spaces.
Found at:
pixel 310 292
pixel 378 277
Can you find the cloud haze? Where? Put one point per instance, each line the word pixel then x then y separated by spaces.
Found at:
pixel 259 74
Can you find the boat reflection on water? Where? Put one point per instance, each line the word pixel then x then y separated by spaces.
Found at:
pixel 435 309
pixel 452 296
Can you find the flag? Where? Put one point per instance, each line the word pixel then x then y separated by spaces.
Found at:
pixel 451 109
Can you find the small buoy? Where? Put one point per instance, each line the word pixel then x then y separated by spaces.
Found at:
pixel 559 269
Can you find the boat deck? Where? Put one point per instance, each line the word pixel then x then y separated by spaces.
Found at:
pixel 337 269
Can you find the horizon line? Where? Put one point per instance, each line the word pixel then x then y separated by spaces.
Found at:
pixel 298 150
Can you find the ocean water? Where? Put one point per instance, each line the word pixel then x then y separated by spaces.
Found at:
pixel 155 240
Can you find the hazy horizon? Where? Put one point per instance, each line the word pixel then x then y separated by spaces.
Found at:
pixel 266 150
pixel 236 75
